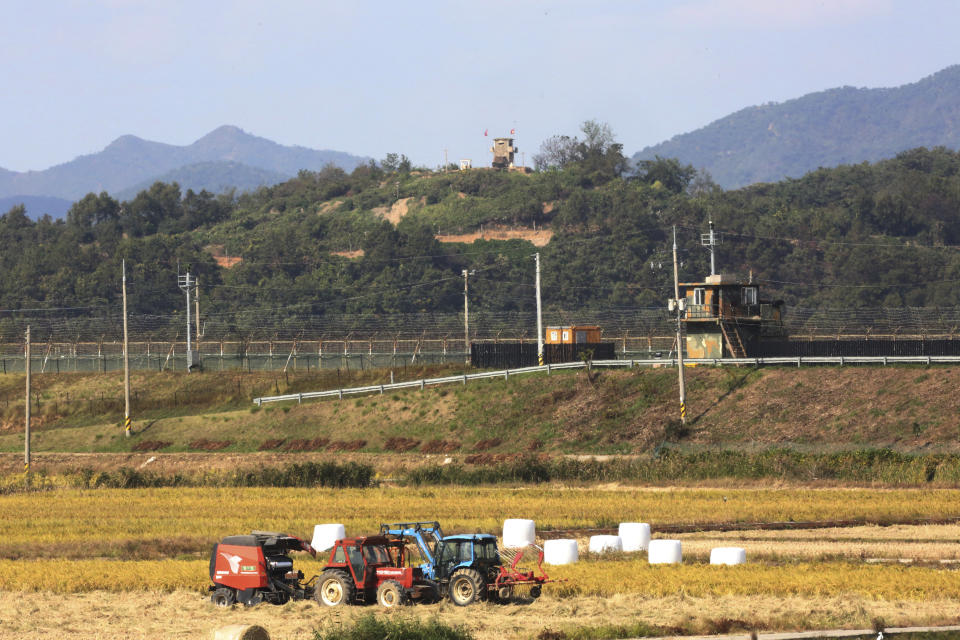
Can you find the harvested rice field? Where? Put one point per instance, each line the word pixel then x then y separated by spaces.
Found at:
pixel 149 615
pixel 115 563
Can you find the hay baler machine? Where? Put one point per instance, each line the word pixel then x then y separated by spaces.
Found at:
pixel 250 569
pixel 470 567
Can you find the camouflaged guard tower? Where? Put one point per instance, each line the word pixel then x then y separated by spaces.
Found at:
pixel 503 151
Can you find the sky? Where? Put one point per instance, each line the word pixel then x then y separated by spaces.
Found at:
pixel 428 78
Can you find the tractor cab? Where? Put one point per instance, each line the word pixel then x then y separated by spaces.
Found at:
pixel 477 551
pixel 467 567
pixel 363 568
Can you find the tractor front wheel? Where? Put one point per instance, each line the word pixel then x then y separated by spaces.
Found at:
pixel 390 594
pixel 223 597
pixel 466 587
pixel 333 589
pixel 432 594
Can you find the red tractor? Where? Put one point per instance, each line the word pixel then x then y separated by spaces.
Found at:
pixel 361 569
pixel 251 569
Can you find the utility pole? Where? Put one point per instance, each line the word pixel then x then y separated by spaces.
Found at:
pixel 710 240
pixel 126 360
pixel 186 283
pixel 678 304
pixel 196 300
pixel 466 316
pixel 539 316
pixel 26 440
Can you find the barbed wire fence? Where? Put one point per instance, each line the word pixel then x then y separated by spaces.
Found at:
pixel 273 339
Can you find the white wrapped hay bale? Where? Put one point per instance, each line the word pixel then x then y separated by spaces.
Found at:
pixel 665 552
pixel 728 555
pixel 635 535
pixel 560 552
pixel 518 533
pixel 601 544
pixel 325 535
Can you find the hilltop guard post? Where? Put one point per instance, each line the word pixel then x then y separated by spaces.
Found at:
pixel 503 153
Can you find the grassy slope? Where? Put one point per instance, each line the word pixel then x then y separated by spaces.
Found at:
pixel 906 408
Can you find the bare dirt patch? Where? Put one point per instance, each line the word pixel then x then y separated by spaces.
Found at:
pixel 401 444
pixel 327 207
pixel 488 443
pixel 218 251
pixel 300 444
pixel 441 446
pixel 352 255
pixel 347 445
pixel 150 445
pixel 210 445
pixel 394 213
pixel 269 445
pixel 537 237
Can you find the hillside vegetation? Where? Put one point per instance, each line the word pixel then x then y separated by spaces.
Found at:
pixel 906 409
pixel 321 244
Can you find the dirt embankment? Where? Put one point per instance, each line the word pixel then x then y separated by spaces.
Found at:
pixel 537 237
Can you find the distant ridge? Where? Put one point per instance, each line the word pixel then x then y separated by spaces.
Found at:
pixel 839 126
pixel 130 161
pixel 37 206
pixel 215 177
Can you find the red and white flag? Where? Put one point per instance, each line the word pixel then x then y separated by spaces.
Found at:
pixel 484 132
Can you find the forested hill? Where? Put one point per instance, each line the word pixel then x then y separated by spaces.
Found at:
pixel 370 241
pixel 845 125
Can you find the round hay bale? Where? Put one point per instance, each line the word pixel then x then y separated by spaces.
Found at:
pixel 665 552
pixel 560 551
pixel 325 535
pixel 728 555
pixel 635 535
pixel 241 632
pixel 600 544
pixel 518 533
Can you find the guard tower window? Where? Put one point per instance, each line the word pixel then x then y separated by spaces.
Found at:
pixel 698 296
pixel 749 295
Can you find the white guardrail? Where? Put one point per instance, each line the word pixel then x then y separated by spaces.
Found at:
pixel 654 362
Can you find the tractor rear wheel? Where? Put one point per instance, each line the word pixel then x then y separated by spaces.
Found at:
pixel 466 587
pixel 390 594
pixel 334 588
pixel 223 597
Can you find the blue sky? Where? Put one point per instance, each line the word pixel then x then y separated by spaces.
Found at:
pixel 420 77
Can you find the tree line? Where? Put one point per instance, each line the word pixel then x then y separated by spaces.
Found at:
pixel 866 235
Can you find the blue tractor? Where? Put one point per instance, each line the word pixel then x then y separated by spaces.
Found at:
pixel 466 567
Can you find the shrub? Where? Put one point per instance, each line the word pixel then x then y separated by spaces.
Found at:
pixel 371 627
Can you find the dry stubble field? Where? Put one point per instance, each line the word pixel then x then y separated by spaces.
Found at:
pixel 132 563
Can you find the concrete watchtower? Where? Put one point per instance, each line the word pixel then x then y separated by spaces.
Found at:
pixel 503 152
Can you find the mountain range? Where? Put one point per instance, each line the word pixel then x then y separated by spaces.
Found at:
pixel 763 143
pixel 227 157
pixel 846 125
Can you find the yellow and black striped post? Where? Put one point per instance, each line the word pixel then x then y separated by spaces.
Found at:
pixel 126 426
pixel 683 412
